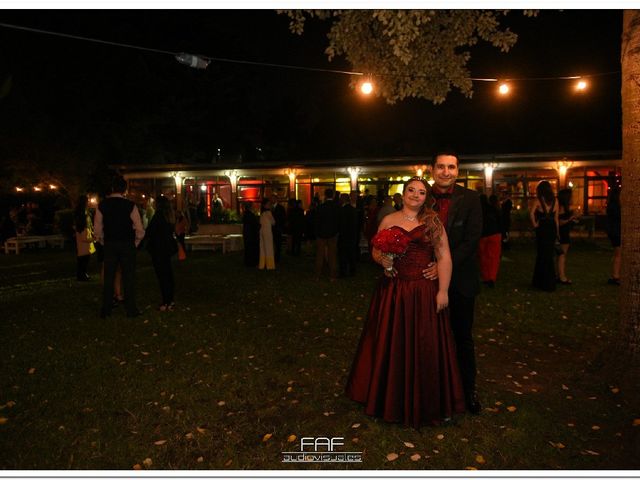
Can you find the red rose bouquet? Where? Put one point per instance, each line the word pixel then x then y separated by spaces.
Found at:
pixel 391 242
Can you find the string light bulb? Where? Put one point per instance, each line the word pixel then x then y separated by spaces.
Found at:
pixel 581 85
pixel 504 89
pixel 366 87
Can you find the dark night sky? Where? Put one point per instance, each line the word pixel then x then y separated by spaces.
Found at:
pixel 125 105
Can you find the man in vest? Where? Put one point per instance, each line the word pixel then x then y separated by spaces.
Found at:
pixel 119 229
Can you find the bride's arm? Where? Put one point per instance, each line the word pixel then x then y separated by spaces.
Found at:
pixel 445 267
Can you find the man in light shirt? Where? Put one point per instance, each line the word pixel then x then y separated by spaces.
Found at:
pixel 119 228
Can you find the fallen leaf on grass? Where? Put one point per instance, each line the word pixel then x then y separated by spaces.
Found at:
pixel 590 452
pixel 415 457
pixel 557 445
pixel 480 459
pixel 3 420
pixel 159 442
pixel 440 436
pixel 228 463
pixel 201 430
pixel 221 403
pixel 147 462
pixel 392 456
pixel 267 437
pixel 470 468
pixel 636 422
pixel 137 466
pixel 31 371
pixel 409 445
pixel 614 390
pixel 200 459
pixel 145 353
pixel 289 389
pixel 291 438
pixel 355 425
pixel 595 427
pixel 189 436
pixel 512 408
pixel 564 387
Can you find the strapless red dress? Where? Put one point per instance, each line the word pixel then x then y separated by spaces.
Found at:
pixel 405 368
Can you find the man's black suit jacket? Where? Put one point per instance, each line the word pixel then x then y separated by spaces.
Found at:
pixel 464 227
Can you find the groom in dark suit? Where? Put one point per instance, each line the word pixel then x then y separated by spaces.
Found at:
pixel 460 211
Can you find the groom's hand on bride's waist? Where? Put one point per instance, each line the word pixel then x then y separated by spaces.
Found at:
pixel 431 272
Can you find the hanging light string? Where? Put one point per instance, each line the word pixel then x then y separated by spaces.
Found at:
pixel 202 61
pixel 207 59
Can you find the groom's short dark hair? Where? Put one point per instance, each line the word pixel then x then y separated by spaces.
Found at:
pixel 449 152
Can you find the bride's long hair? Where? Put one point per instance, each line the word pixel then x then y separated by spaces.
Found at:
pixel 426 214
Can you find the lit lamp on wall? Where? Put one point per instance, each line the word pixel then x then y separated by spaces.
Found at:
pixel 292 173
pixel 353 174
pixel 488 176
pixel 177 178
pixel 562 167
pixel 420 170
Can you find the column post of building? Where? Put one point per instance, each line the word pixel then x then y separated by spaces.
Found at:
pixel 488 177
pixel 233 180
pixel 563 167
pixel 292 173
pixel 353 174
pixel 178 180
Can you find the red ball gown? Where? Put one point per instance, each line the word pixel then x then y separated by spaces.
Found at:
pixel 405 369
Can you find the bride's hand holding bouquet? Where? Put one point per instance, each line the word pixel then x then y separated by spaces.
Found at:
pixel 391 243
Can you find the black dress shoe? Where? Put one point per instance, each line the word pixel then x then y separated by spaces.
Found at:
pixel 473 404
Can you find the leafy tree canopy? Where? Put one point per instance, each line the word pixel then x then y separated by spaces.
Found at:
pixel 410 53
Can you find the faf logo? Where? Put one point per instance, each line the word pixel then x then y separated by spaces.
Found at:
pixel 321 450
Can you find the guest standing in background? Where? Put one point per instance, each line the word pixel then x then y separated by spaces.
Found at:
pixel 505 220
pixel 84 238
pixel 182 227
pixel 544 218
pixel 267 222
pixel 347 236
pixel 250 236
pixel 295 220
pixel 280 217
pixel 326 232
pixel 162 245
pixel 566 219
pixel 490 245
pixel 119 228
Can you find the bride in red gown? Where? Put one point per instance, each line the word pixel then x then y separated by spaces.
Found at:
pixel 405 368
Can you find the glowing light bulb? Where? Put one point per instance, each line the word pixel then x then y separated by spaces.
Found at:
pixel 581 85
pixel 366 87
pixel 503 89
pixel 203 188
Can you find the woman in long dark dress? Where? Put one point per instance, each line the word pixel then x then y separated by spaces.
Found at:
pixel 162 245
pixel 405 368
pixel 544 217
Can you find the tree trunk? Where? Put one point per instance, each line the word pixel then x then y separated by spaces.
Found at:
pixel 630 203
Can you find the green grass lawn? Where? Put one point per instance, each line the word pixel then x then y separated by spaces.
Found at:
pixel 249 353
